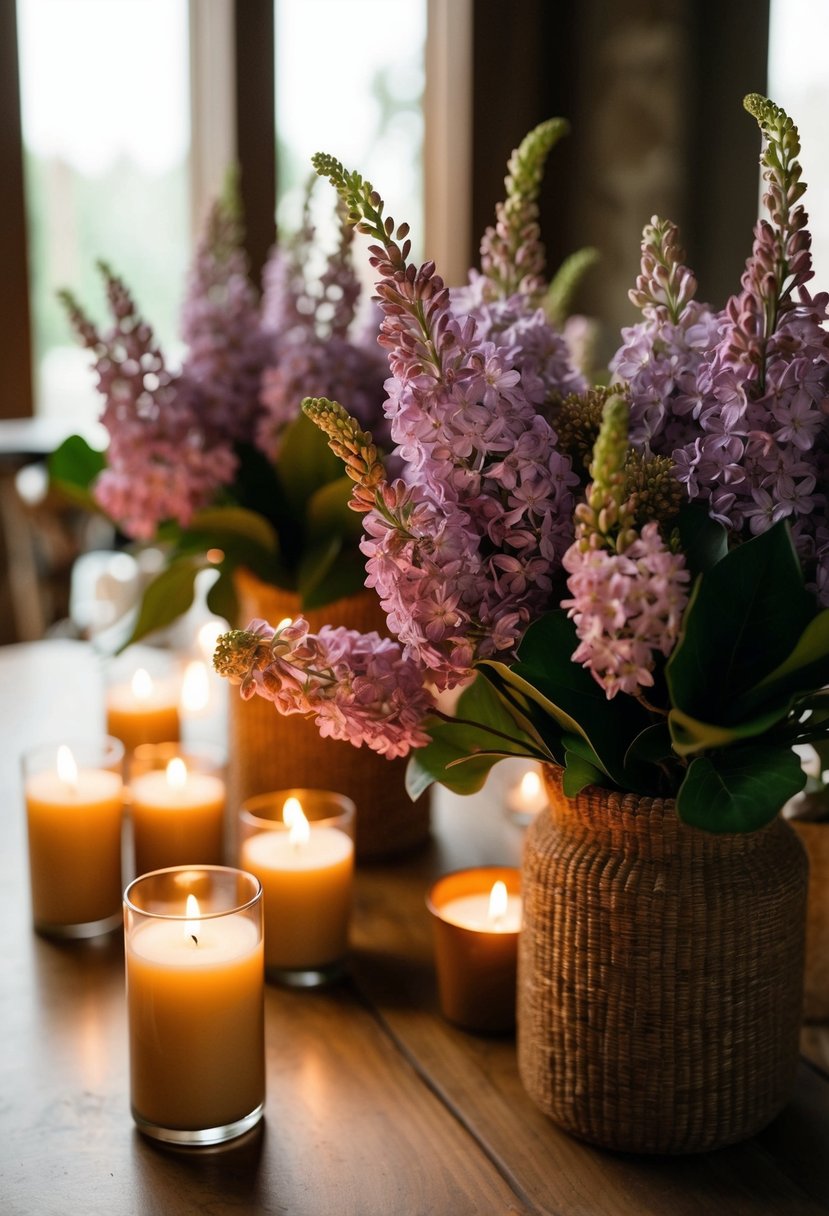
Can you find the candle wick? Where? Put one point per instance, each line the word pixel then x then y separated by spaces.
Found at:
pixel 195 939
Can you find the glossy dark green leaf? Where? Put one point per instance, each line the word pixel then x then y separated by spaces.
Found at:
pixel 739 789
pixel 578 774
pixel 745 616
pixel 804 669
pixel 222 599
pixel 704 542
pixel 328 512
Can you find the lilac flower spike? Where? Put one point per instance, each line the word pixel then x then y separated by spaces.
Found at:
pixel 628 590
pixel 161 463
pixel 356 687
pixel 482 521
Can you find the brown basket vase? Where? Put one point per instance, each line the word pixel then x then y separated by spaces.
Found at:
pixel 267 751
pixel 660 973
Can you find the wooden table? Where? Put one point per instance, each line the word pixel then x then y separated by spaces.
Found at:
pixel 375 1106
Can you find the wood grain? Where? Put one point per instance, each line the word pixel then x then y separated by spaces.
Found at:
pixel 376 1106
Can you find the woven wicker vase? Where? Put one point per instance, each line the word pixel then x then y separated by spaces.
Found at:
pixel 815 837
pixel 660 973
pixel 267 751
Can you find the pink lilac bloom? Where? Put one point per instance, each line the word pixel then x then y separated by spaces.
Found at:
pixel 159 464
pixel 360 688
pixel 627 608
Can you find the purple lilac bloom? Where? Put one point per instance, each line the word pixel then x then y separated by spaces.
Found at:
pixel 358 687
pixel 315 349
pixel 227 349
pixel 627 608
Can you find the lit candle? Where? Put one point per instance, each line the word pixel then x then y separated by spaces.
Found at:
pixel 143 711
pixel 527 797
pixel 177 810
pixel 476 917
pixel 305 862
pixel 195 1003
pixel 74 811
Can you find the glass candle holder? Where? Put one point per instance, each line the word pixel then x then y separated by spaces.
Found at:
pixel 476 919
pixel 299 844
pixel 74 809
pixel 142 698
pixel 195 1003
pixel 177 802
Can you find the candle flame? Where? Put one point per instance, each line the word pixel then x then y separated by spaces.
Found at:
pixel 142 684
pixel 530 786
pixel 67 767
pixel 286 620
pixel 299 832
pixel 191 925
pixel 177 779
pixel 497 902
pixel 195 690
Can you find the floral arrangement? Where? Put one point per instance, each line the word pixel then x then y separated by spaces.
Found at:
pixel 216 458
pixel 636 574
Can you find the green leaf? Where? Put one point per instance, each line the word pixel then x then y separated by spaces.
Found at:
pixel 804 669
pixel 73 467
pixel 222 599
pixel 739 789
pixel 651 746
pixel 546 674
pixel 220 524
pixel 167 597
pixel 328 572
pixel 329 512
pixel 463 750
pixel 305 463
pixel 578 774
pixel 745 616
pixel 690 735
pixel 704 542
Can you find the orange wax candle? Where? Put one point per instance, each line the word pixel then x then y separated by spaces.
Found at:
pixel 177 816
pixel 195 1004
pixel 143 711
pixel 306 869
pixel 476 917
pixel 74 819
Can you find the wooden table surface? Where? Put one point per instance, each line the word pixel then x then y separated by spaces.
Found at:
pixel 375 1105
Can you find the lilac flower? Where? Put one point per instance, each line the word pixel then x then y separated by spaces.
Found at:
pixel 627 608
pixel 227 349
pixel 357 687
pixel 160 464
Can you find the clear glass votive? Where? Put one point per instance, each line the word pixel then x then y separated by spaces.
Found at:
pixel 177 800
pixel 74 810
pixel 142 697
pixel 299 844
pixel 195 1003
pixel 475 930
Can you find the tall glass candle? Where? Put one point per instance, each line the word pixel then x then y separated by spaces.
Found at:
pixel 476 918
pixel 299 844
pixel 143 709
pixel 195 1003
pixel 177 803
pixel 74 807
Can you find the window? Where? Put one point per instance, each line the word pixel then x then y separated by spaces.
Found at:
pixel 798 81
pixel 104 103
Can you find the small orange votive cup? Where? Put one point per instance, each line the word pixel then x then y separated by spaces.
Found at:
pixel 476 959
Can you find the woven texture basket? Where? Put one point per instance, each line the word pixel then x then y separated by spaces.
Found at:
pixel 660 973
pixel 267 751
pixel 815 837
